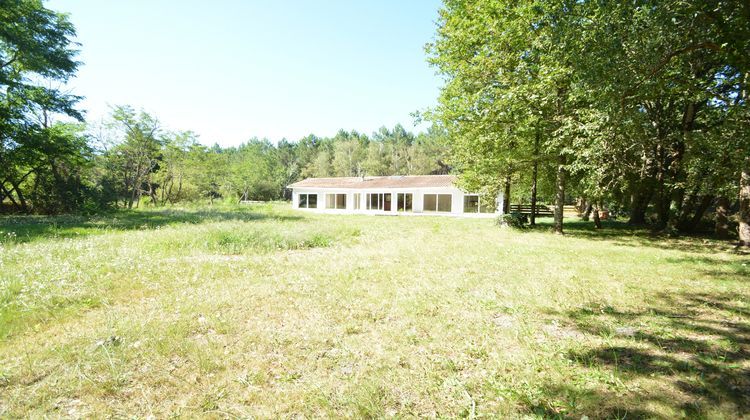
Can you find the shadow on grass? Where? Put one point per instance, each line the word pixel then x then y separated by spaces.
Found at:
pixel 32 228
pixel 622 234
pixel 695 346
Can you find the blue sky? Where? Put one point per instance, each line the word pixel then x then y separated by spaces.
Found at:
pixel 230 70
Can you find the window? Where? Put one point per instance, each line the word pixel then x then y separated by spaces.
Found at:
pixel 357 198
pixel 308 201
pixel 444 202
pixel 336 201
pixel 430 202
pixel 403 201
pixel 473 203
pixel 437 202
pixel 379 202
pixel 373 201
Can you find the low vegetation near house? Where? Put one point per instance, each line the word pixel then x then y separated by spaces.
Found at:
pixel 267 312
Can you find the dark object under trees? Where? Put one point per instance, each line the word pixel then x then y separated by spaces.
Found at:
pixel 744 213
pixel 597 220
pixel 560 195
pixel 722 218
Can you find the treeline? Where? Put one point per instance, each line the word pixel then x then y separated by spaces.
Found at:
pixel 137 161
pixel 638 106
pixel 128 159
pixel 48 166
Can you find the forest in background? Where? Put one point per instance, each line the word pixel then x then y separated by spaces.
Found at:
pixel 54 161
pixel 639 108
pixel 128 159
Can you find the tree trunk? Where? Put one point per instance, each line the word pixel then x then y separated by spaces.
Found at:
pixel 587 213
pixel 674 167
pixel 10 196
pixel 534 176
pixel 641 197
pixel 560 195
pixel 164 191
pixel 663 198
pixel 179 188
pixel 506 201
pixel 692 223
pixel 19 194
pixel 597 220
pixel 132 196
pixel 744 213
pixel 152 194
pixel 722 218
pixel 689 205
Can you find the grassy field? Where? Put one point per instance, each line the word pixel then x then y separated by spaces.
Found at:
pixel 268 312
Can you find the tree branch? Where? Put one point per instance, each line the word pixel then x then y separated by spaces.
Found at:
pixel 666 59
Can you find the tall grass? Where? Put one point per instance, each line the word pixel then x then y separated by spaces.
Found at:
pixel 268 312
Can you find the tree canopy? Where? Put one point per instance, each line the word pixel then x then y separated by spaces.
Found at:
pixel 640 106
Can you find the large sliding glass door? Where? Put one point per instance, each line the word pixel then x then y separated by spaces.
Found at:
pixel 379 201
pixel 308 201
pixel 404 201
pixel 440 203
pixel 336 201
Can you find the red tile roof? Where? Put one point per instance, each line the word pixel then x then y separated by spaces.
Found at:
pixel 405 181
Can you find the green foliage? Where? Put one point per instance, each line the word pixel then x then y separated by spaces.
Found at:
pixel 38 160
pixel 513 220
pixel 635 103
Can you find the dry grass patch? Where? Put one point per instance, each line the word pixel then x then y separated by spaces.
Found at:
pixel 269 312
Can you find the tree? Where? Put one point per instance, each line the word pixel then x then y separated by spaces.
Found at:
pixel 36 49
pixel 173 173
pixel 639 104
pixel 506 99
pixel 136 158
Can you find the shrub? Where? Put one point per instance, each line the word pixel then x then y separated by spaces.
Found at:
pixel 514 220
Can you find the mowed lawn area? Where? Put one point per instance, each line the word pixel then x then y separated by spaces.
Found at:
pixel 265 311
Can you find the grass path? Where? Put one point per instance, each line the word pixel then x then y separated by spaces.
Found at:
pixel 269 312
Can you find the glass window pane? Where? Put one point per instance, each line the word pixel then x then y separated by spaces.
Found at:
pixel 312 201
pixel 340 201
pixel 407 201
pixel 302 201
pixel 404 202
pixel 444 202
pixel 430 202
pixel 387 202
pixel 471 203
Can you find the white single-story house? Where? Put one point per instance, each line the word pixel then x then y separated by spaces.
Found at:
pixel 417 194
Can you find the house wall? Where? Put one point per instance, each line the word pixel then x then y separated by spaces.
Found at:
pixel 457 199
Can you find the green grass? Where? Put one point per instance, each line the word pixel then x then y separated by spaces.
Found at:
pixel 268 312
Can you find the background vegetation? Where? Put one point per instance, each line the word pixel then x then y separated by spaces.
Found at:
pixel 638 105
pixel 52 161
pixel 639 108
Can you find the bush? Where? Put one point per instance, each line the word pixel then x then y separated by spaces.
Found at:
pixel 514 220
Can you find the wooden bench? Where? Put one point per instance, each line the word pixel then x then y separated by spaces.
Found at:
pixel 541 210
